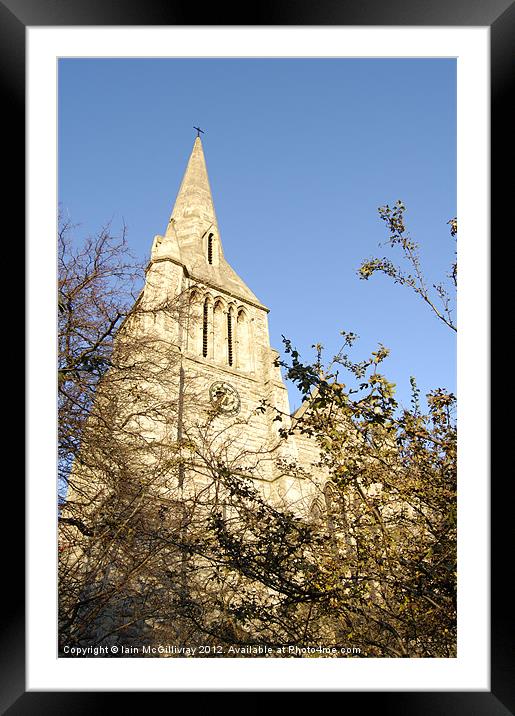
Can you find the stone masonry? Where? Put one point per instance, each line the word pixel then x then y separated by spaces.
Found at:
pixel 223 342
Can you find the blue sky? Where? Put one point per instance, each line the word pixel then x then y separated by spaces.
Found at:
pixel 300 154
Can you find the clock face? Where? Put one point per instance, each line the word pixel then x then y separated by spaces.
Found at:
pixel 225 397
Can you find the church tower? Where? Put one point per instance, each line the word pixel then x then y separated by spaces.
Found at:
pixel 186 421
pixel 228 372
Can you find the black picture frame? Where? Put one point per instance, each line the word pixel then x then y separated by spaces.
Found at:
pixel 499 15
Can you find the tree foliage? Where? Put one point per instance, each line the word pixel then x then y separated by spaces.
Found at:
pixel 97 280
pixel 441 300
pixel 166 535
pixel 390 572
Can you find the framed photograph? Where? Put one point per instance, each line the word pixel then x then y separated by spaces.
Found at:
pixel 270 86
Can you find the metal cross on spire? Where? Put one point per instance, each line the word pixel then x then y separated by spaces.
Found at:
pixel 199 131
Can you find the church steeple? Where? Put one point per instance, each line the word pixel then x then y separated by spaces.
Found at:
pixel 192 237
pixel 194 211
pixel 221 332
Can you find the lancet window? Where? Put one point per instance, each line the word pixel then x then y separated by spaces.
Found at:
pixel 219 332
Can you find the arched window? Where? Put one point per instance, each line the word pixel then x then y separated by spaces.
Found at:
pixel 315 512
pixel 218 332
pixel 194 332
pixel 210 249
pixel 230 353
pixel 194 298
pixel 205 328
pixel 329 496
pixel 243 357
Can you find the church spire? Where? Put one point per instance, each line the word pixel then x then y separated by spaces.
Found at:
pixel 194 212
pixel 192 237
